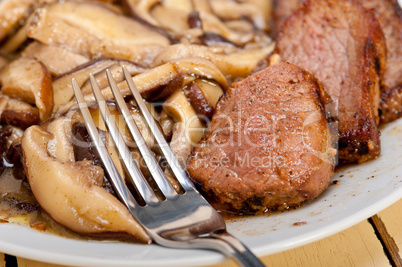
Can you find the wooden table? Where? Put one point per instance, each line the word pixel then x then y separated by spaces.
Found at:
pixel 373 242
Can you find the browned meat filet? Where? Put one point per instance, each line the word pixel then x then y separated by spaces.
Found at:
pixel 389 15
pixel 268 145
pixel 342 44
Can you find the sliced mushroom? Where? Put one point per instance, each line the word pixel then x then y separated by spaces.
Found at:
pixel 62 87
pixel 203 96
pixel 198 101
pixel 139 120
pixel 15 136
pixel 215 39
pixel 5 132
pixel 245 24
pixel 117 72
pixel 60 146
pixel 211 91
pixel 18 113
pixel 240 25
pixel 112 5
pixel 140 9
pixel 188 129
pixel 177 17
pixel 265 8
pixel 162 92
pixel 160 76
pixel 163 15
pixel 232 65
pixel 104 1
pixel 75 116
pixel 213 24
pixel 29 80
pixel 83 149
pixel 71 192
pixel 58 60
pixel 10 15
pixel 95 31
pixel 190 68
pixel 15 41
pixel 12 12
pixel 239 11
pixel 180 144
pixel 166 122
pixel 179 108
pixel 3 62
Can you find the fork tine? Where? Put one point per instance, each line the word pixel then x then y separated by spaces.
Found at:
pixel 183 221
pixel 160 139
pixel 116 180
pixel 153 166
pixel 135 174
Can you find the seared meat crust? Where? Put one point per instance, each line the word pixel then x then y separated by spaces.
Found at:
pixel 342 44
pixel 268 145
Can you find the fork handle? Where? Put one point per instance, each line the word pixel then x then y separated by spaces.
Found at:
pixel 229 245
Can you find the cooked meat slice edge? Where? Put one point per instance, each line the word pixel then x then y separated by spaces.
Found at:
pixel 269 145
pixel 342 44
pixel 389 15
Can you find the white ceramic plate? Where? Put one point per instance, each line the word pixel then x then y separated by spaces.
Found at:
pixel 361 191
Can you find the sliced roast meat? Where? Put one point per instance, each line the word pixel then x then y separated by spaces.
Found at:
pixel 389 15
pixel 282 9
pixel 269 145
pixel 342 44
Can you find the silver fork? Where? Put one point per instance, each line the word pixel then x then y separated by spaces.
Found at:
pixel 184 220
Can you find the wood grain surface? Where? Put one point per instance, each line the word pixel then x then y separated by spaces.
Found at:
pixel 356 246
pixel 391 219
pixel 390 248
pixel 2 262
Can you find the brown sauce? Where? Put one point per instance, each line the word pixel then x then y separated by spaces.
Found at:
pixel 18 205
